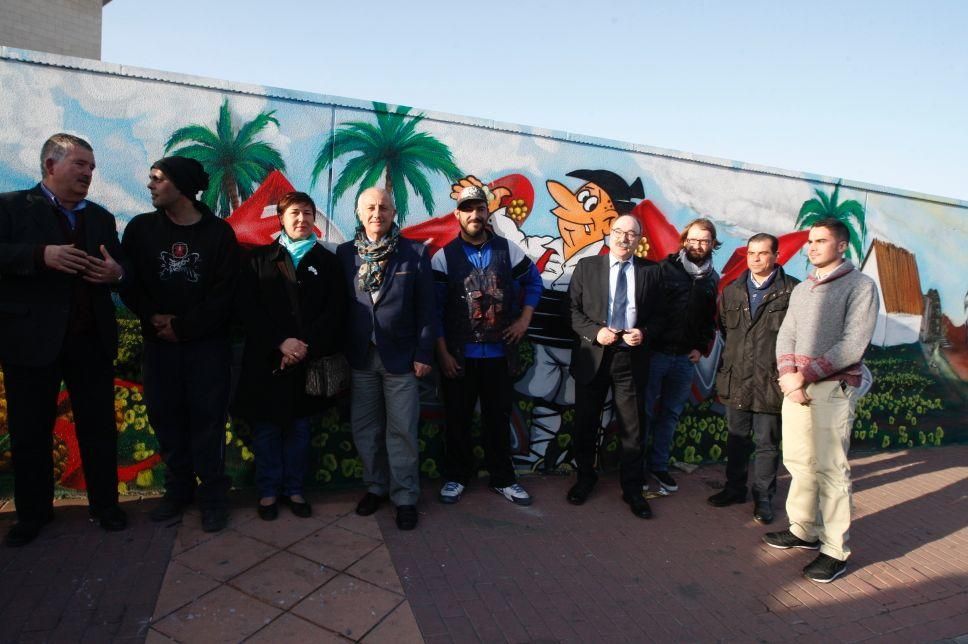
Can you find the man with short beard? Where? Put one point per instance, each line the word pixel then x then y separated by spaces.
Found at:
pixel 479 278
pixel 57 322
pixel 390 346
pixel 184 267
pixel 689 285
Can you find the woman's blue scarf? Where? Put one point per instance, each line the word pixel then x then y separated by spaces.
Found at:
pixel 297 249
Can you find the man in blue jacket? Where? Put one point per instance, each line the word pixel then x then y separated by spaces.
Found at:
pixel 390 318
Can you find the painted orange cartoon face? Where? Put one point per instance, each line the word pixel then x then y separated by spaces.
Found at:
pixel 584 216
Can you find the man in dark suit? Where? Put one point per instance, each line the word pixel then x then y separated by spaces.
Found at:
pixel 57 322
pixel 390 320
pixel 613 311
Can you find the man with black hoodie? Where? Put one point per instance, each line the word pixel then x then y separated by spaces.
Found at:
pixel 184 265
pixel 689 285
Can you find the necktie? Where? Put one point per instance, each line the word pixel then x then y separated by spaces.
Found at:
pixel 620 300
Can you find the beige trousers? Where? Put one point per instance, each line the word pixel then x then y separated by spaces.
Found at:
pixel 816 438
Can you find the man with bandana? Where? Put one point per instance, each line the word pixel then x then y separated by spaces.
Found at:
pixel 689 285
pixel 487 290
pixel 390 346
pixel 184 266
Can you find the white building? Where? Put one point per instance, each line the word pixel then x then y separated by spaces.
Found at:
pixel 68 27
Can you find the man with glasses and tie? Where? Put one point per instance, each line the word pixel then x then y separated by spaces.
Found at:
pixel 613 311
pixel 689 285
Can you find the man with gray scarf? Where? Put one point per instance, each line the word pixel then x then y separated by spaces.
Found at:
pixel 390 345
pixel 689 287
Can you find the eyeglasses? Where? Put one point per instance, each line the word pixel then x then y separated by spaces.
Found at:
pixel 699 242
pixel 627 234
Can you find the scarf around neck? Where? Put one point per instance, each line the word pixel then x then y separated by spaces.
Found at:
pixel 696 271
pixel 374 255
pixel 297 248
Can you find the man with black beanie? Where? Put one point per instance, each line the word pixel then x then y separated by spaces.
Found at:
pixel 184 265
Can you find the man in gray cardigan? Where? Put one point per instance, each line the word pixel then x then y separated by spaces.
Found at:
pixel 829 323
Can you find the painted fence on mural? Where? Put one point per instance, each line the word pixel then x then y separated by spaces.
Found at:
pixel 550 192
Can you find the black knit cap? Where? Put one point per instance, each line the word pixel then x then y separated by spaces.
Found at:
pixel 188 175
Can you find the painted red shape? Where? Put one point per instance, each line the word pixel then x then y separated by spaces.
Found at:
pixel 790 245
pixel 251 227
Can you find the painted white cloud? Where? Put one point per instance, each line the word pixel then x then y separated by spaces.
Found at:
pixel 484 152
pixel 744 202
pixel 27 109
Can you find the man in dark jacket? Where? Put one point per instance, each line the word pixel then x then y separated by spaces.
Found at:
pixel 389 346
pixel 750 312
pixel 689 284
pixel 57 266
pixel 184 266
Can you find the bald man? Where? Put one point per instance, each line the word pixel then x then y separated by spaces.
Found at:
pixel 390 345
pixel 614 312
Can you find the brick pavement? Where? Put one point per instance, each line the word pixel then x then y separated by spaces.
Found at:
pixel 78 583
pixel 485 570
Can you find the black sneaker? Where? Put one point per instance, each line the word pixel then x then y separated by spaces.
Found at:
pixel 214 519
pixel 167 509
pixel 726 497
pixel 784 540
pixel 111 518
pixel 666 482
pixel 824 569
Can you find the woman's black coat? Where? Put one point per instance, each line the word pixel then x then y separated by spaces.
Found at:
pixel 267 288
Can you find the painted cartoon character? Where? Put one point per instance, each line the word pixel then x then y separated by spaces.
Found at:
pixel 584 217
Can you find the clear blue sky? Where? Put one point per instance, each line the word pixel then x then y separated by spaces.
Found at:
pixel 873 91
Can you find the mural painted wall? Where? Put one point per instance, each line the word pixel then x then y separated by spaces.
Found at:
pixel 550 192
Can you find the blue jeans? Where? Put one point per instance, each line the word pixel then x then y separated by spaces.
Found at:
pixel 666 393
pixel 281 457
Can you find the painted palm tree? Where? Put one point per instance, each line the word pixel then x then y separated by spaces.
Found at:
pixel 235 161
pixel 393 149
pixel 851 212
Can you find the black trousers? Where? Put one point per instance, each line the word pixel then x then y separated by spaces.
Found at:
pixel 615 372
pixel 759 434
pixel 187 391
pixel 487 380
pixel 32 394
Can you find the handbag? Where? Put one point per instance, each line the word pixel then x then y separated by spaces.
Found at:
pixel 327 376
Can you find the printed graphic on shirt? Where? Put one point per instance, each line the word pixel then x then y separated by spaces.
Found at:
pixel 179 261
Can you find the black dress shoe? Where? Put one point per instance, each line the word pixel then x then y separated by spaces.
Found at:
pixel 580 491
pixel 301 509
pixel 726 497
pixel 214 519
pixel 638 505
pixel 111 518
pixel 269 512
pixel 167 508
pixel 369 504
pixel 763 512
pixel 23 532
pixel 406 517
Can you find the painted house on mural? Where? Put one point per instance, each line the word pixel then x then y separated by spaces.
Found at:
pixel 895 271
pixel 551 193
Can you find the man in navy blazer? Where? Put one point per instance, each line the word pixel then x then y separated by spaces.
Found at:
pixel 614 313
pixel 57 322
pixel 390 319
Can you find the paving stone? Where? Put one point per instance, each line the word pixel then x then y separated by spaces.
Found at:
pixel 283 579
pixel 399 627
pixel 335 547
pixel 289 628
pixel 226 555
pixel 348 606
pixel 377 568
pixel 181 586
pixel 223 615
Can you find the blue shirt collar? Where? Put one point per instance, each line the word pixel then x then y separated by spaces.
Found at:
pixel 51 197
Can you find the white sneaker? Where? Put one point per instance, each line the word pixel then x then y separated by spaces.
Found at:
pixel 514 493
pixel 451 492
